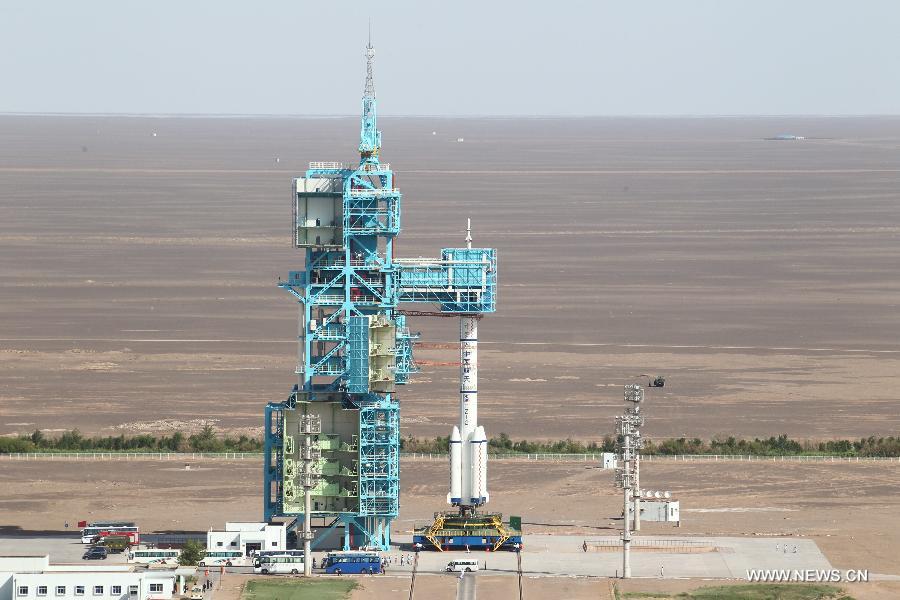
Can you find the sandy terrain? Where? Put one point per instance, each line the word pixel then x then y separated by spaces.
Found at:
pixel 850 512
pixel 137 273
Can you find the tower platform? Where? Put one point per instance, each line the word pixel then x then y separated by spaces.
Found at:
pixel 478 531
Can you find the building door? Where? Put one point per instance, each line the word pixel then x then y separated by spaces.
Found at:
pixel 251 548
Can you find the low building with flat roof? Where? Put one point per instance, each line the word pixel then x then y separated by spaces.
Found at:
pixel 34 578
pixel 248 537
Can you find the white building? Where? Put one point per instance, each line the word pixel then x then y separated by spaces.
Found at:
pixel 34 578
pixel 608 460
pixel 248 537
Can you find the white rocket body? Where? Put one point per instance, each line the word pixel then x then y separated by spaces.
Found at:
pixel 468 442
pixel 455 495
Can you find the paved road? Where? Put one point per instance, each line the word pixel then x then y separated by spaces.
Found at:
pixel 561 555
pixel 62 549
pixel 465 589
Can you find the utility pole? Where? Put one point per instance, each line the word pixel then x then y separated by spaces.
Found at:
pixel 310 453
pixel 626 491
pixel 630 444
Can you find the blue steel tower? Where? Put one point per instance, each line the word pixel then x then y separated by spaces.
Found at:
pixel 332 447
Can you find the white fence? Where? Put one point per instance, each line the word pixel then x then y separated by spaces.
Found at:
pixel 185 456
pixel 667 458
pixel 132 456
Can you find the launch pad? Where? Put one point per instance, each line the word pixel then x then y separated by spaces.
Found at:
pixel 454 530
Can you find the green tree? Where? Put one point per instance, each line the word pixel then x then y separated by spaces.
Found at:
pixel 192 553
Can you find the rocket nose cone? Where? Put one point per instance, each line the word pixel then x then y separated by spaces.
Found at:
pixel 454 435
pixel 479 434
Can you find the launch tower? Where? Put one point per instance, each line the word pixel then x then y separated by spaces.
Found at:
pixel 332 447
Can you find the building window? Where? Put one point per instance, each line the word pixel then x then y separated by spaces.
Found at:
pixel 274 544
pixel 60 590
pixel 233 544
pixel 79 590
pixel 155 588
pixel 115 590
pixel 220 544
pixel 42 590
pixel 23 590
pixel 98 590
pixel 133 590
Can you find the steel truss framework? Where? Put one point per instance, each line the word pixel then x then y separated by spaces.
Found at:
pixel 354 343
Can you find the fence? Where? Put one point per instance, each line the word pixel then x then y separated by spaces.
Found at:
pixel 585 458
pixel 547 457
pixel 132 456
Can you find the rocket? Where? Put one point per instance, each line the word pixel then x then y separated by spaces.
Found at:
pixel 468 441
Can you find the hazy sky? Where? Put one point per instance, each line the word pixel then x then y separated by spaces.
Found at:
pixel 449 58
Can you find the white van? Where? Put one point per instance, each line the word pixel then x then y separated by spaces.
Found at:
pixel 462 566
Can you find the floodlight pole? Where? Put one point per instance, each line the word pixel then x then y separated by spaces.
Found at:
pixel 626 490
pixel 629 430
pixel 636 489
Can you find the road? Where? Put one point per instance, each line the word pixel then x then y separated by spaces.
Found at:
pixel 465 589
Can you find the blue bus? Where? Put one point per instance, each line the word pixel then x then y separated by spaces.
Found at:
pixel 352 563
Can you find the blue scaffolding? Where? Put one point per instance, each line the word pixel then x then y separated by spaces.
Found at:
pixel 355 346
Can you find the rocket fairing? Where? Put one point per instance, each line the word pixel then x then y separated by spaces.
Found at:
pixel 468 442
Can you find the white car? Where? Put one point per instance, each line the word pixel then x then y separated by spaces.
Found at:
pixel 196 593
pixel 462 566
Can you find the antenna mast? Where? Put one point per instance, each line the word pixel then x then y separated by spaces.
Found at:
pixel 370 137
pixel 369 91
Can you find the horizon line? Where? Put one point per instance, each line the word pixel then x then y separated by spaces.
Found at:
pixel 153 115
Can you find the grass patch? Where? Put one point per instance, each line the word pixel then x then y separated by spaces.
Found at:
pixel 298 589
pixel 755 591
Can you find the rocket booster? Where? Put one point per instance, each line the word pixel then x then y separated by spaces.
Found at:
pixel 455 496
pixel 468 441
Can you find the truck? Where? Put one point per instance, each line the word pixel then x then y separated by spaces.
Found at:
pixel 115 543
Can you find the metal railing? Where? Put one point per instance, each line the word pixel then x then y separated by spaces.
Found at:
pixel 362 192
pixel 326 165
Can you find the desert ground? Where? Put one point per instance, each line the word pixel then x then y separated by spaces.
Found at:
pixel 848 509
pixel 139 257
pixel 138 267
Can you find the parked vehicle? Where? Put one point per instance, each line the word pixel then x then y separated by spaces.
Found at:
pixel 90 535
pixel 352 563
pixel 95 553
pixel 279 563
pixel 196 593
pixel 226 558
pixel 154 555
pixel 115 543
pixel 462 566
